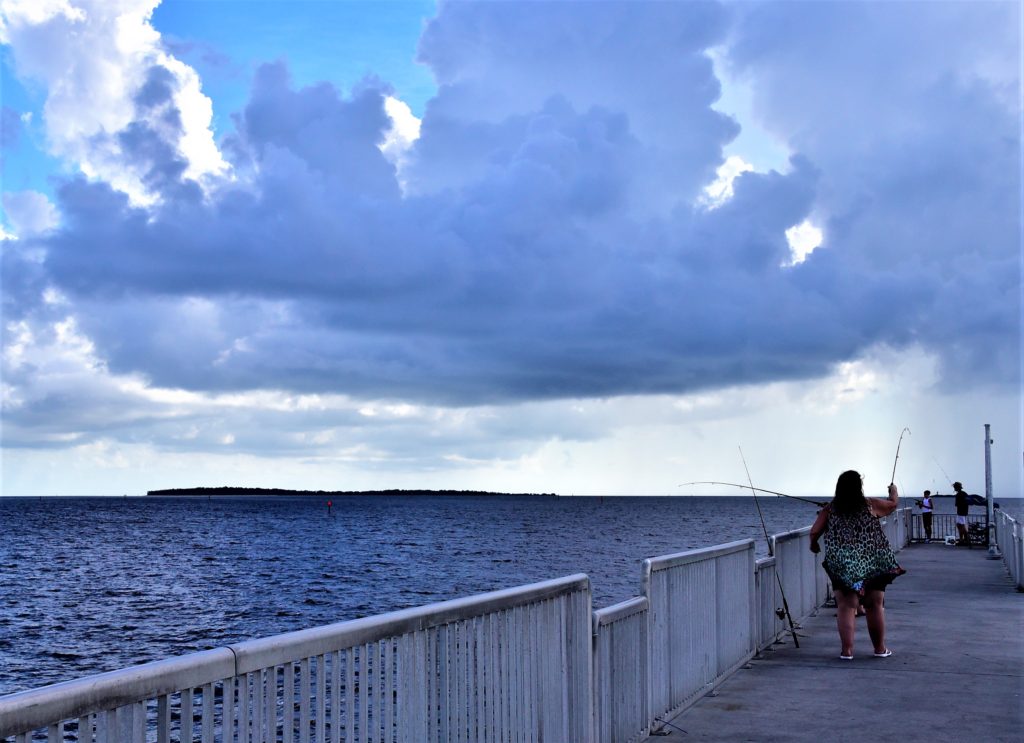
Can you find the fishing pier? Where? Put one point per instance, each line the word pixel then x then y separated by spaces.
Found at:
pixel 956 629
pixel 706 647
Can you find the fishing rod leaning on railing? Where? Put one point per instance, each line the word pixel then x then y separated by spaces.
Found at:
pixel 771 552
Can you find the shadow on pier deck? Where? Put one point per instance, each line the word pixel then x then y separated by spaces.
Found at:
pixel 955 625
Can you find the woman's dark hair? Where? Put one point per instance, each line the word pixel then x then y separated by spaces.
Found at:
pixel 849 493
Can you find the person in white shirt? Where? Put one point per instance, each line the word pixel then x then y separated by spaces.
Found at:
pixel 926 514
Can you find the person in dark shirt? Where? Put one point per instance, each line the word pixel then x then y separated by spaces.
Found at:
pixel 962 509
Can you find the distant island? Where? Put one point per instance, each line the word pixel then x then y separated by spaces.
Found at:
pixel 227 490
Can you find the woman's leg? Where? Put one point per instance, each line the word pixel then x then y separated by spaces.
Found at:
pixel 874 602
pixel 846 611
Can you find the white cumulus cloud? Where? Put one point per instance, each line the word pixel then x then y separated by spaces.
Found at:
pixel 803 238
pixel 404 131
pixel 105 71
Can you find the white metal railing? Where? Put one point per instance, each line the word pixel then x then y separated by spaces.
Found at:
pixel 897 528
pixel 803 583
pixel 770 616
pixel 703 613
pixel 622 672
pixel 943 525
pixel 1010 538
pixel 532 663
pixel 702 621
pixel 1009 534
pixel 508 665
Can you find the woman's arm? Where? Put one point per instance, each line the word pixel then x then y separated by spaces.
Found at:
pixel 817 528
pixel 884 506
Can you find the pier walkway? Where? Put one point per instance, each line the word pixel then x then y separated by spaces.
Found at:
pixel 955 624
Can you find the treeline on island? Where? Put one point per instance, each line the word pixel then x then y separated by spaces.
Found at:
pixel 227 490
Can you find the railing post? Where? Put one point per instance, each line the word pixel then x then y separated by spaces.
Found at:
pixel 993 546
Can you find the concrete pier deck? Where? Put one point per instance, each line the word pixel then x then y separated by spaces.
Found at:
pixel 955 624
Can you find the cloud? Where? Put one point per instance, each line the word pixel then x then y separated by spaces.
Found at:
pixel 720 190
pixel 646 64
pixel 545 238
pixel 803 239
pixel 399 139
pixel 98 60
pixel 918 146
pixel 29 212
pixel 208 54
pixel 59 394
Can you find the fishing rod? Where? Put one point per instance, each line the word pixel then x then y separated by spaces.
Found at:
pixel 892 480
pixel 819 504
pixel 771 552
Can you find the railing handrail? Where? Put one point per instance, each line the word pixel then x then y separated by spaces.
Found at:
pixel 35 708
pixel 652 565
pixel 268 651
pixel 664 562
pixel 621 610
pixel 790 535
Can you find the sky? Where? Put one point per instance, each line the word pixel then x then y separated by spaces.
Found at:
pixel 572 247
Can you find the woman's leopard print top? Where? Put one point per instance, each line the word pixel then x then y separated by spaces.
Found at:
pixel 856 551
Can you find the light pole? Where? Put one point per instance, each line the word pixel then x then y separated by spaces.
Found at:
pixel 993 548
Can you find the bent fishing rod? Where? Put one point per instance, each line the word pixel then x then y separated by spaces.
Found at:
pixel 819 504
pixel 892 480
pixel 771 552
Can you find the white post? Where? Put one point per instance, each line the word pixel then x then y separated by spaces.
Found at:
pixel 993 548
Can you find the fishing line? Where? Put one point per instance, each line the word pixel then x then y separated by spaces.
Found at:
pixel 892 480
pixel 771 552
pixel 819 504
pixel 948 478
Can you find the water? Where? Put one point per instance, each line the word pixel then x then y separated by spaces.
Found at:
pixel 94 584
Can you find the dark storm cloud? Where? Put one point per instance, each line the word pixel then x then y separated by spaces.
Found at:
pixel 914 125
pixel 549 244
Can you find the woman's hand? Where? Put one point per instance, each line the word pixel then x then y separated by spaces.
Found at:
pixel 884 506
pixel 814 546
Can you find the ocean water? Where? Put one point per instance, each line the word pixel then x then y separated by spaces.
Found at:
pixel 94 584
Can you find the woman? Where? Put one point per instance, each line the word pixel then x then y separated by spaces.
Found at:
pixel 858 558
